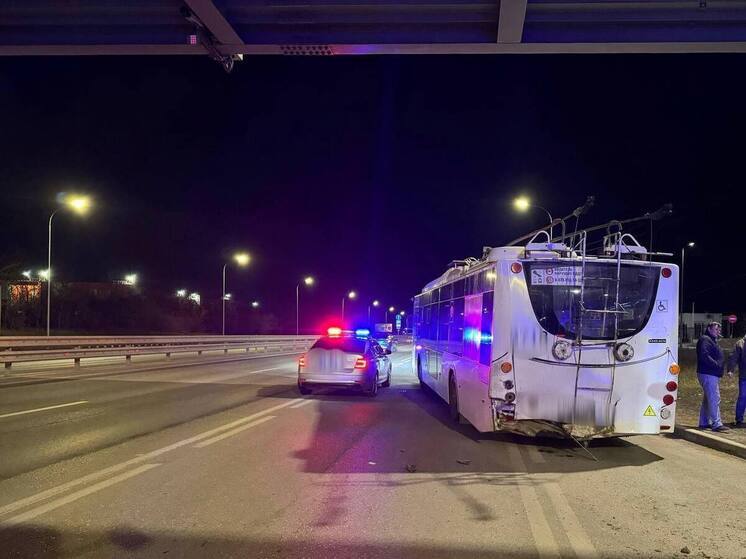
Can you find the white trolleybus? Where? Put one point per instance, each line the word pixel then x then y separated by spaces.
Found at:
pixel 546 339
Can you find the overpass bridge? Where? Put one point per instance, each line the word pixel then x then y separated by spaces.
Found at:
pixel 229 29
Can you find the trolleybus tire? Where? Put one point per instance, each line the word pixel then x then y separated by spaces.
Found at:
pixel 453 399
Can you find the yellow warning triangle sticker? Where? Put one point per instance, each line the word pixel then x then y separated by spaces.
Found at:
pixel 649 412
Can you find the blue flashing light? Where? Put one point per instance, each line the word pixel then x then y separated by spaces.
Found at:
pixel 362 332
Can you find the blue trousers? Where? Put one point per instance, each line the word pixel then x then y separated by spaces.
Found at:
pixel 709 413
pixel 741 402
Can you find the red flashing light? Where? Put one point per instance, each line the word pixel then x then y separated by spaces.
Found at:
pixel 361 363
pixel 666 272
pixel 671 385
pixel 302 361
pixel 668 400
pixel 334 331
pixel 516 267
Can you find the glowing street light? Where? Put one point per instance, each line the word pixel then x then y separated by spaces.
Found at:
pixel 130 279
pixel 78 204
pixel 255 304
pixel 195 297
pixel 43 274
pixel 523 204
pixel 375 303
pixel 227 297
pixel 690 244
pixel 181 293
pixel 308 281
pixel 351 295
pixel 242 259
pixel 26 274
pixel 390 309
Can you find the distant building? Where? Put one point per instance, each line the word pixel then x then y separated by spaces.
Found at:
pixel 24 291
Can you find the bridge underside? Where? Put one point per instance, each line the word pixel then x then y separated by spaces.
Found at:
pixel 224 29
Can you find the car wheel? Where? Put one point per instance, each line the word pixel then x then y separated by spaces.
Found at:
pixel 303 389
pixel 373 388
pixel 387 382
pixel 453 400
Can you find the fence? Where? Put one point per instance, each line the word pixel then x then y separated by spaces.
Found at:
pixel 41 348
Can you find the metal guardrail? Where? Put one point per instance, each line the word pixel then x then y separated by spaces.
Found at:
pixel 41 348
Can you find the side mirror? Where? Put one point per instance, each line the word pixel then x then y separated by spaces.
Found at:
pixel 387 351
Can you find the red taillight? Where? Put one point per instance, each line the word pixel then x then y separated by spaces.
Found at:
pixel 667 400
pixel 516 267
pixel 302 361
pixel 360 363
pixel 666 272
pixel 334 331
pixel 671 385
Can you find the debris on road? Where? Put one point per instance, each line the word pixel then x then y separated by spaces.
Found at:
pixel 464 462
pixel 685 550
pixel 411 468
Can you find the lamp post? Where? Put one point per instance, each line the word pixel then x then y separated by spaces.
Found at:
pixel 523 204
pixel 681 291
pixel 351 295
pixel 375 304
pixel 390 309
pixel 79 205
pixel 309 281
pixel 242 259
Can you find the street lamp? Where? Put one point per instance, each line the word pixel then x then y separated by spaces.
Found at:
pixel 130 279
pixel 523 204
pixel 79 205
pixel 255 304
pixel 351 295
pixel 26 274
pixel 242 259
pixel 681 289
pixel 181 293
pixel 375 304
pixel 390 309
pixel 309 281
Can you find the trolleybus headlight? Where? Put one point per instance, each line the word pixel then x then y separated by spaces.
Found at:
pixel 665 413
pixel 624 352
pixel 562 349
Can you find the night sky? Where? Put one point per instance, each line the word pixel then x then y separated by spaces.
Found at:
pixel 369 173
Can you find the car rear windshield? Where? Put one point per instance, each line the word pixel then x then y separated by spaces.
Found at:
pixel 352 345
pixel 554 290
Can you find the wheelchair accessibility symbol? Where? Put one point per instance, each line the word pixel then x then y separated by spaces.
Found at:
pixel 662 306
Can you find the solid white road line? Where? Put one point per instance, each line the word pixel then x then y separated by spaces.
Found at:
pixel 233 432
pixel 10 507
pixel 579 540
pixel 546 545
pixel 301 404
pixel 24 412
pixel 204 378
pixel 57 503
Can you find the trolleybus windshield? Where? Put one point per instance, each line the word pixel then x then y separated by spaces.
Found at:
pixel 554 290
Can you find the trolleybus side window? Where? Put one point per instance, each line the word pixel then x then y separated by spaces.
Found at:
pixel 556 303
pixel 458 289
pixel 456 330
pixel 444 318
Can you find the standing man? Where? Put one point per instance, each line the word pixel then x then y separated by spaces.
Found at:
pixel 738 359
pixel 709 372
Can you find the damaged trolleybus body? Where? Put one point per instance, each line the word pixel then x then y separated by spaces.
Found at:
pixel 545 339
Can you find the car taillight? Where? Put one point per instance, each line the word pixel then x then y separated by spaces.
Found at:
pixel 360 363
pixel 302 361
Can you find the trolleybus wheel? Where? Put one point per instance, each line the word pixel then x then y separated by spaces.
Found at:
pixel 453 399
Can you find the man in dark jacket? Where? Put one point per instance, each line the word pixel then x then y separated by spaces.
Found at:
pixel 709 372
pixel 738 359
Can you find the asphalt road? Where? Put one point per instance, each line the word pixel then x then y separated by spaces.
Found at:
pixel 225 459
